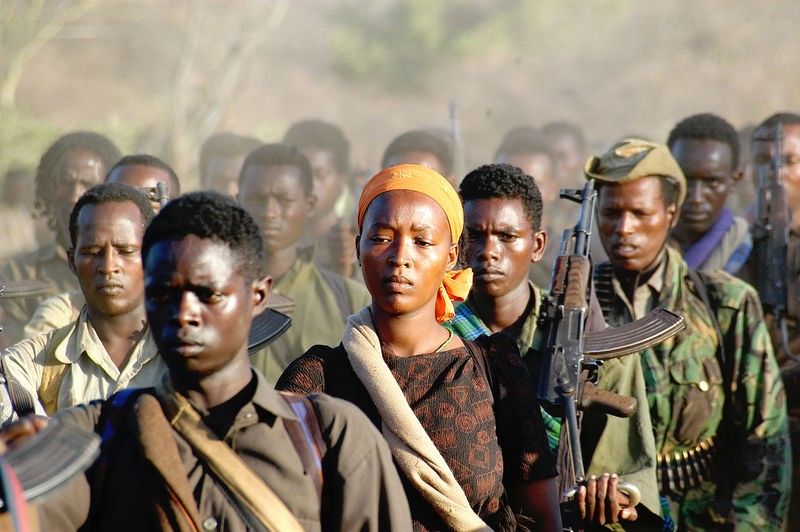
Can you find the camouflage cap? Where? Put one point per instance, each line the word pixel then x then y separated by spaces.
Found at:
pixel 632 159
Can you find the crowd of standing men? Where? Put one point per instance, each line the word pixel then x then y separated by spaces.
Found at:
pixel 403 393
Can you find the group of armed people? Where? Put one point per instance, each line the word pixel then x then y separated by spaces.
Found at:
pixel 404 394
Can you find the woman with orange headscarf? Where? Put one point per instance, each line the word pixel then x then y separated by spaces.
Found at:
pixel 460 417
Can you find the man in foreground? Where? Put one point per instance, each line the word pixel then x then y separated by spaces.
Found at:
pixel 142 172
pixel 213 445
pixel 713 394
pixel 109 346
pixel 502 215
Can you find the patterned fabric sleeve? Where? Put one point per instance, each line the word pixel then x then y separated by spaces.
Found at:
pixel 758 419
pixel 520 429
pixel 305 375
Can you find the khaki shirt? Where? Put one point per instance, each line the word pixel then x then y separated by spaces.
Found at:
pixel 48 263
pixel 55 312
pixel 91 373
pixel 362 488
pixel 316 318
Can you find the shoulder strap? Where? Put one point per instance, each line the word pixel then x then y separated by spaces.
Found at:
pixel 338 286
pixel 53 371
pixel 306 436
pixel 114 411
pixel 112 415
pixel 249 490
pixel 603 286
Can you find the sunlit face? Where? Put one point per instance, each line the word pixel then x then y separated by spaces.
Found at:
pixel 328 181
pixel 107 257
pixel 221 174
pixel 710 176
pixel 634 223
pixel 199 305
pixel 540 167
pixel 501 245
pixel 405 249
pixel 143 178
pixel 80 170
pixel 274 196
pixel 790 168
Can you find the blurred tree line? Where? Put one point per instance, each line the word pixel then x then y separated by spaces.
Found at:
pixel 397 44
pixel 206 73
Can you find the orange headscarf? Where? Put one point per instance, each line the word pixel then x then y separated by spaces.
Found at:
pixel 456 284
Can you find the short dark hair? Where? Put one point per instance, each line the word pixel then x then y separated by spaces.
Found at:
pixel 316 134
pixel 524 140
pixel 50 164
pixel 504 181
pixel 109 193
pixel 567 129
pixel 151 161
pixel 225 145
pixel 435 142
pixel 212 216
pixel 707 126
pixel 784 118
pixel 281 154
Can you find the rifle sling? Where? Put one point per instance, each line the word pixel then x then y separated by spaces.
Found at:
pixel 255 495
pixel 306 436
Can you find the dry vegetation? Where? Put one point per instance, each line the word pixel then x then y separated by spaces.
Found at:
pixel 160 74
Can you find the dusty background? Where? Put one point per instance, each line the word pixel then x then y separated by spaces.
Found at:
pixel 160 75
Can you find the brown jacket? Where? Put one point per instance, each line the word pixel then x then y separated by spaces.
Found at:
pixel 153 481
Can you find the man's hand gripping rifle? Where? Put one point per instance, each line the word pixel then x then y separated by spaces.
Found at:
pixel 770 238
pixel 569 369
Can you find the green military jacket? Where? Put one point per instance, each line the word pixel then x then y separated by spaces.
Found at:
pixel 318 316
pixel 693 394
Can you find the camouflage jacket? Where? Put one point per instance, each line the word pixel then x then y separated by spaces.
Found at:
pixel 694 394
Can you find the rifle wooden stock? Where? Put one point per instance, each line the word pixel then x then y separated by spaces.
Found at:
pixel 610 403
pixel 580 269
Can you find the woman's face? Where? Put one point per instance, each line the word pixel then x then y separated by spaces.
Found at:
pixel 404 249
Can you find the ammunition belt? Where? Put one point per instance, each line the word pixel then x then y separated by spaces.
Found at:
pixel 680 471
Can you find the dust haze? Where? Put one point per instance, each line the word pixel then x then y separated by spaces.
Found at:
pixel 160 75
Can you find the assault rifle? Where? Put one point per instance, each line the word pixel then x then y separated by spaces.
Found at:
pixel 569 369
pixel 162 194
pixel 770 238
pixel 158 193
